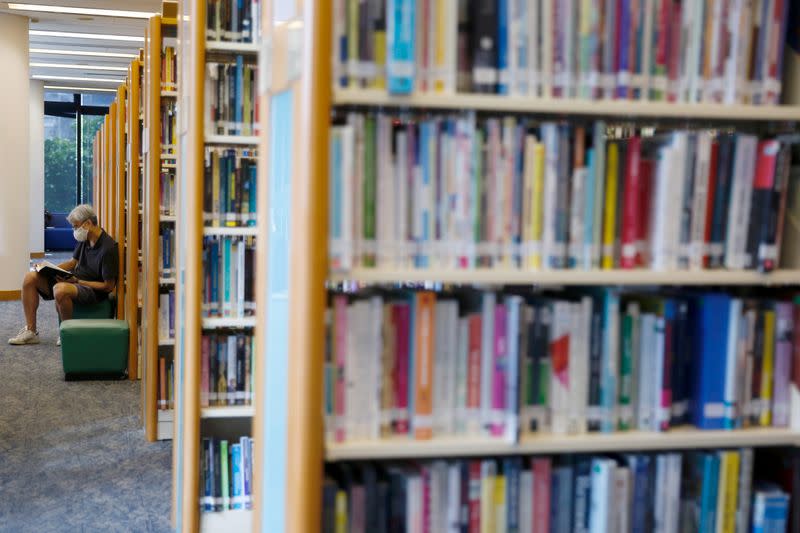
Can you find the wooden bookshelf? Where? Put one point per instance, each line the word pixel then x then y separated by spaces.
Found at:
pixel 132 221
pixel 193 420
pixel 634 277
pixel 158 29
pixel 120 234
pixel 623 441
pixel 620 109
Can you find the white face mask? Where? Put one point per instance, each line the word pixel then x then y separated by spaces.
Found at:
pixel 80 234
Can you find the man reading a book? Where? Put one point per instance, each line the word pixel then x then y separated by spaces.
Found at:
pixel 85 279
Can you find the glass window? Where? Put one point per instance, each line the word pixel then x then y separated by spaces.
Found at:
pixel 60 163
pixel 89 126
pixel 59 97
pixel 98 99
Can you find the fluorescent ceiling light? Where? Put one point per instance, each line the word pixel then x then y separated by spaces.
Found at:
pixel 64 87
pixel 81 53
pixel 71 78
pixel 79 67
pixel 81 11
pixel 98 36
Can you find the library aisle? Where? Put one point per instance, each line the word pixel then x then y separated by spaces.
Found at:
pixel 72 454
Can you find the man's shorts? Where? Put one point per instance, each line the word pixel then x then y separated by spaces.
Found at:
pixel 86 295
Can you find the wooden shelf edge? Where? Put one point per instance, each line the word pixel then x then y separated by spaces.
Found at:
pixel 565 106
pixel 569 277
pixel 562 444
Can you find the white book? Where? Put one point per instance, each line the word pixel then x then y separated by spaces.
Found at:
pixel 732 26
pixel 622 499
pixel 525 501
pixel 702 163
pixel 453 516
pixel 533 35
pixel 645 412
pixel 451 368
pixel 414 516
pixel 462 354
pixel 376 367
pixel 487 359
pixel 438 496
pixel 745 482
pixel 549 212
pixel 674 496
pixel 741 193
pixel 559 381
pixel 601 495
pixel 546 33
pixel 712 88
pixel 681 169
pixel 731 394
pixel 693 61
pixel 400 189
pixel 660 496
pixel 576 211
pixel 581 317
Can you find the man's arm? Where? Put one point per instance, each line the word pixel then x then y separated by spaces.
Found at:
pixel 69 264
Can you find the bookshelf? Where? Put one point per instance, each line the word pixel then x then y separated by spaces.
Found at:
pixel 133 261
pixel 202 223
pixel 161 33
pixel 120 192
pixel 299 92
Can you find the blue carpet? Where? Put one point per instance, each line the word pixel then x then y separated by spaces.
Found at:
pixel 73 456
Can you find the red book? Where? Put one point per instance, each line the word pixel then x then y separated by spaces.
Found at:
pixel 340 357
pixel 630 204
pixel 400 315
pixel 645 201
pixel 541 494
pixel 712 189
pixel 474 504
pixel 474 368
pixel 205 349
pixel 662 42
pixel 674 52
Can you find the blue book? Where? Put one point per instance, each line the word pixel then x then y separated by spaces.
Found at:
pixel 335 192
pixel 709 491
pixel 582 495
pixel 770 511
pixel 237 478
pixel 641 470
pixel 513 304
pixel 214 259
pixel 247 473
pixel 424 213
pixel 607 301
pixel 239 102
pixel 711 347
pixel 400 36
pixel 555 503
pixel 520 70
pixel 512 467
pixel 253 194
pixel 502 46
pixel 208 476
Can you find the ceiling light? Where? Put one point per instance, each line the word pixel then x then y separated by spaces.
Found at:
pixel 81 53
pixel 99 36
pixel 82 11
pixel 71 78
pixel 64 87
pixel 79 67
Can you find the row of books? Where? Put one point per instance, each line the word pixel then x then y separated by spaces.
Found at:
pixel 228 276
pixel 468 362
pixel 230 96
pixel 169 69
pixel 166 251
pixel 701 491
pixel 226 363
pixel 238 21
pixel 226 474
pixel 456 191
pixel 169 124
pixel 662 50
pixel 167 193
pixel 166 315
pixel 166 383
pixel 229 195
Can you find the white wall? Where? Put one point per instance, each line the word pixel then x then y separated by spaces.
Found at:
pixel 14 154
pixel 37 166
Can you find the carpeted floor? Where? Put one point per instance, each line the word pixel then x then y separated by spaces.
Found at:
pixel 73 456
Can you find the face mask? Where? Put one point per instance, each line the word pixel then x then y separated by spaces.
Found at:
pixel 80 234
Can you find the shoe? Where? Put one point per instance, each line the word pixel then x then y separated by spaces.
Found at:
pixel 58 342
pixel 25 336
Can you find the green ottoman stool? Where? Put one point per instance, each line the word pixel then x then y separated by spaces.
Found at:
pixel 102 309
pixel 94 348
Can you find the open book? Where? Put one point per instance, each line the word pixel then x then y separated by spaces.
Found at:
pixel 51 271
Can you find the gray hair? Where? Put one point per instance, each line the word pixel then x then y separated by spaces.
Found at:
pixel 81 214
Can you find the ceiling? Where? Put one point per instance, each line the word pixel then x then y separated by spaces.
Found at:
pixel 92 24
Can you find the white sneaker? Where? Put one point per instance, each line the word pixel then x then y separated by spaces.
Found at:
pixel 58 342
pixel 25 336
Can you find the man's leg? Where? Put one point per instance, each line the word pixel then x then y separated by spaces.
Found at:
pixel 31 286
pixel 65 294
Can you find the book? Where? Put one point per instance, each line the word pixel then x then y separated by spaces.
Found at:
pixel 52 272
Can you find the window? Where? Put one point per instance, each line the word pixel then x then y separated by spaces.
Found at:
pixel 101 99
pixel 70 125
